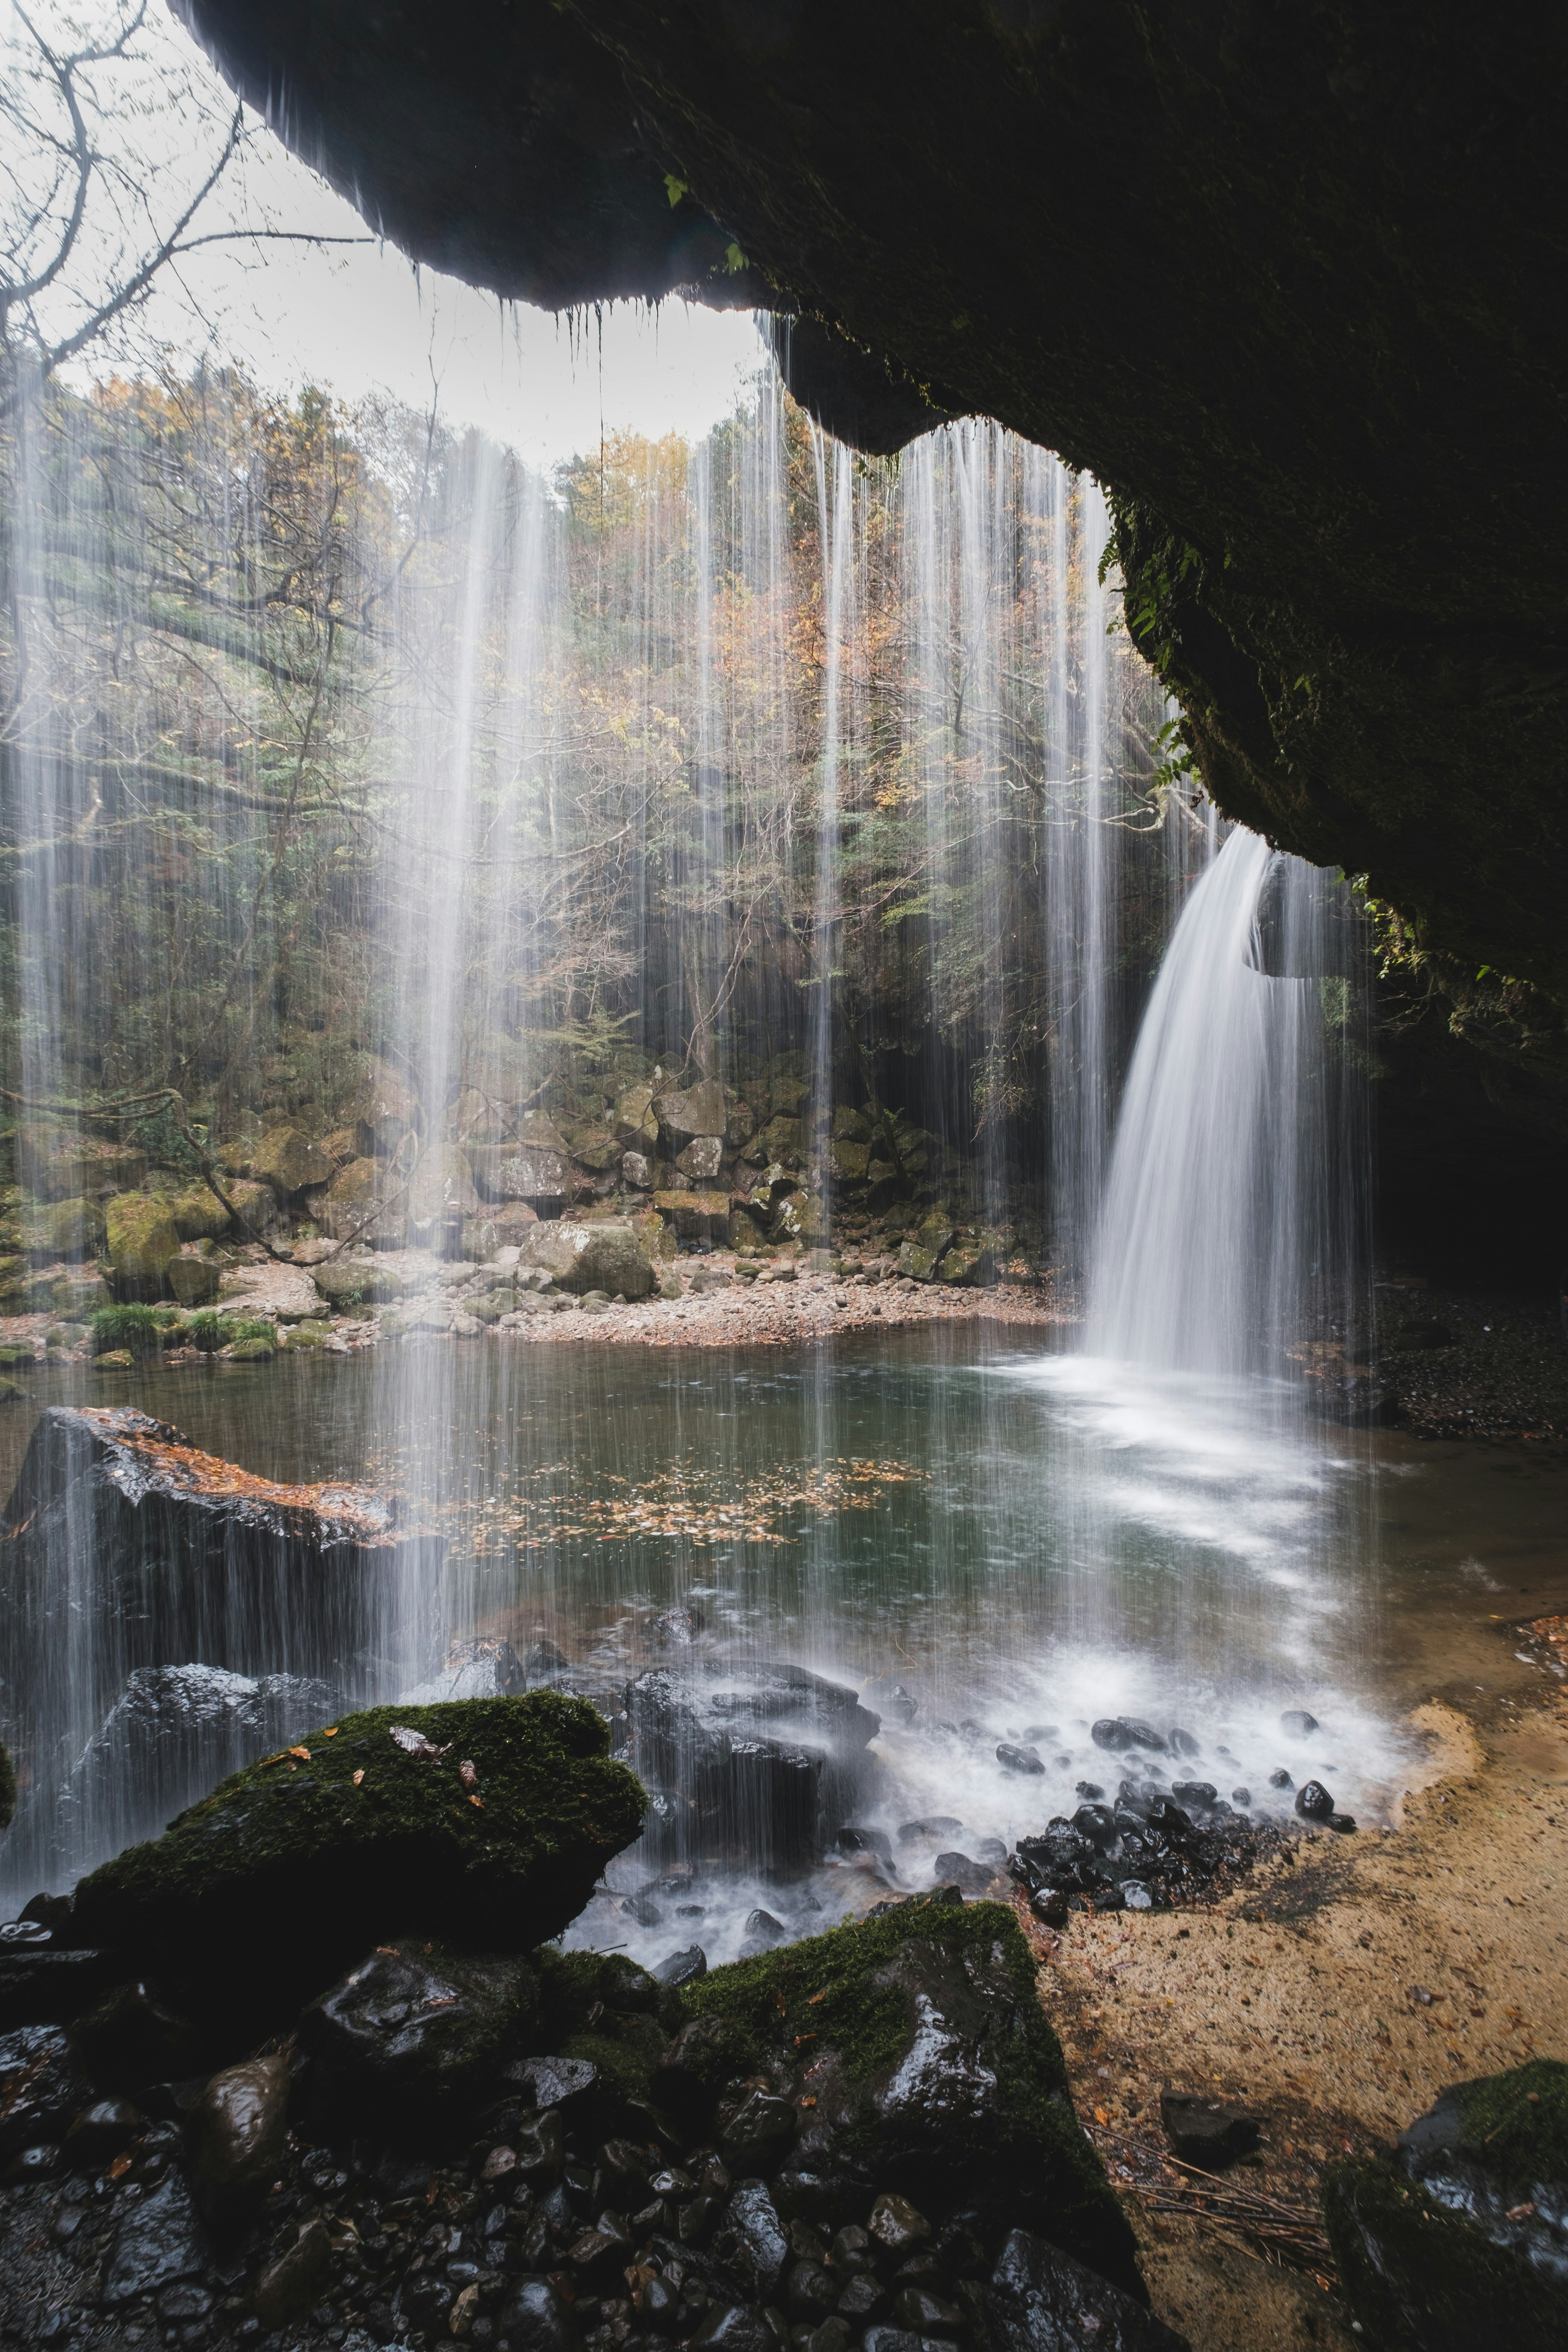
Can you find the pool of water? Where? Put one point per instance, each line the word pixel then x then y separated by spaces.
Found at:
pixel 1019 1541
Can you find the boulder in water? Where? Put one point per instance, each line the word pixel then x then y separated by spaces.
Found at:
pixel 173 1731
pixel 123 1548
pixel 485 1668
pixel 486 1823
pixel 599 1254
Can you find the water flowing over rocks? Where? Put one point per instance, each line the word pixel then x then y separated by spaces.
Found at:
pixel 123 1550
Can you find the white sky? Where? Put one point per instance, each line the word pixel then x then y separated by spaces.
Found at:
pixel 357 319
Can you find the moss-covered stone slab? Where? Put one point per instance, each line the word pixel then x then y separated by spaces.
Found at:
pixel 62 1228
pixel 485 1822
pixel 199 1215
pixel 916 2055
pixel 140 1241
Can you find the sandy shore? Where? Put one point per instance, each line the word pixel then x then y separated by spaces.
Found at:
pixel 768 1312
pixel 1333 2000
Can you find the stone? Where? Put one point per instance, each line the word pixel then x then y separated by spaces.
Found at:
pixel 255 1206
pixel 1019 1760
pixel 700 1162
pixel 45 1985
pixel 133 2038
pixel 698 1111
pixel 602 1254
pixel 235 2135
pixel 404 2046
pixel 638 1171
pixel 695 1216
pixel 384 1109
pixel 103 2130
pixel 1468 2223
pixel 1118 1732
pixel 535 1173
pixel 735 2327
pixel 289 1160
pixel 199 1215
pixel 896 2226
pixel 1299 1724
pixel 682 1967
pixel 362 1204
pixel 958 1870
pixel 41 2087
pixel 63 1229
pixel 1206 2132
pixel 360 1281
pixel 1313 1802
pixel 159 2241
pixel 753 2242
pixel 1041 2300
pixel 958 2093
pixel 123 1548
pixel 140 1241
pixel 292 2285
pixel 1280 1779
pixel 193 1281
pixel 173 1731
pixel 503 1856
pixel 536 2317
pixel 633 1119
pixel 762 1931
pixel 487 1667
pixel 847 1160
pixel 439 1196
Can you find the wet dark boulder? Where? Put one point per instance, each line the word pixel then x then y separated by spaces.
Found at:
pixel 160 2242
pixel 172 1732
pixel 42 2086
pixel 235 2133
pixel 123 1547
pixel 485 1822
pixel 1041 2300
pixel 1119 1733
pixel 406 2046
pixel 761 1768
pixel 923 2065
pixel 1313 1802
pixel 1468 2223
pixel 133 2037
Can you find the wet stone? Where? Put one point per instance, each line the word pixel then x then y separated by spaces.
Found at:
pixel 1298 1723
pixel 1041 2300
pixel 1120 1732
pixel 958 1870
pixel 1206 2132
pixel 1313 1802
pixel 682 1967
pixel 1019 1760
pixel 159 2239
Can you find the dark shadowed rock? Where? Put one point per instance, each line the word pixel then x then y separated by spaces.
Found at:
pixel 1120 1732
pixel 753 2242
pixel 235 2133
pixel 406 2044
pixel 41 2087
pixel 1206 2131
pixel 536 2317
pixel 1313 1802
pixel 159 2241
pixel 133 2037
pixel 289 2286
pixel 678 1969
pixel 1043 2301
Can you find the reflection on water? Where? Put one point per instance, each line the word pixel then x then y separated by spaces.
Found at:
pixel 1020 1543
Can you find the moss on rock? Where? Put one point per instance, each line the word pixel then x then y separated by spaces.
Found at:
pixel 142 1241
pixel 987 2114
pixel 292 1868
pixel 1421 2279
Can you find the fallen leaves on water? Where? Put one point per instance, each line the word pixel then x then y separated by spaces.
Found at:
pixel 685 1504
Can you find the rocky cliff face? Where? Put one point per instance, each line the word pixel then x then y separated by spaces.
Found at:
pixel 1291 286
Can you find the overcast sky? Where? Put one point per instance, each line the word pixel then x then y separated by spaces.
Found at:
pixel 360 318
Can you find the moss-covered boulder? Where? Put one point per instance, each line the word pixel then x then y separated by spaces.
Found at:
pixel 199 1215
pixel 349 1282
pixel 1467 2224
pixel 255 1205
pixel 194 1280
pixel 591 1255
pixel 62 1228
pixel 915 2055
pixel 141 1240
pixel 485 1822
pixel 362 1204
pixel 289 1160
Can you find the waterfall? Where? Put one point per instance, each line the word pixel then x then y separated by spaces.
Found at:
pixel 1225 1236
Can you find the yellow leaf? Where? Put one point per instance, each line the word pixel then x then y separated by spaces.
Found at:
pixel 359 1776
pixel 300 1751
pixel 330 1734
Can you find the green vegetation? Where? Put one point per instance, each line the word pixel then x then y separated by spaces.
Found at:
pixel 1416 2273
pixel 143 1330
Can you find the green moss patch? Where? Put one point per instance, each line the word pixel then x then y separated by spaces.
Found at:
pixel 295 1867
pixel 1515 2125
pixel 1417 2277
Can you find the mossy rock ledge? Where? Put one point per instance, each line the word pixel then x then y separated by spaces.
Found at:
pixel 1466 2234
pixel 489 1835
pixel 908 2051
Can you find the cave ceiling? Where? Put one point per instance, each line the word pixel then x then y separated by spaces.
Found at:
pixel 1290 282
